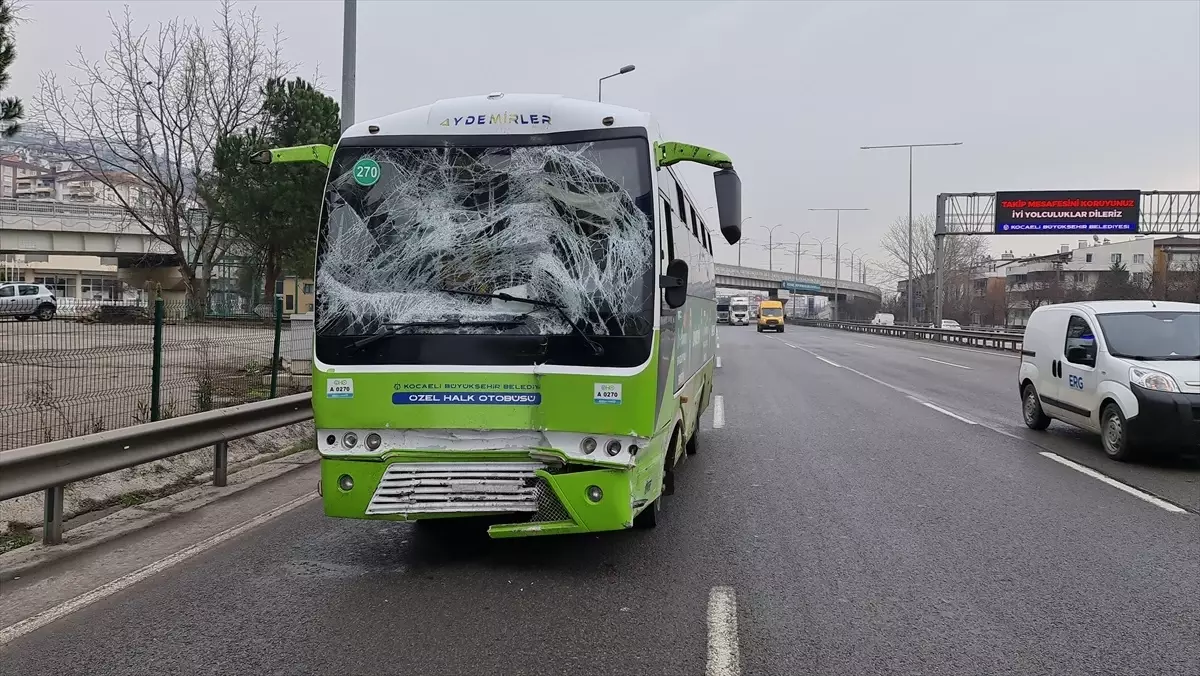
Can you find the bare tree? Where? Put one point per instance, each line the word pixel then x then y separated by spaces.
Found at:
pixel 962 254
pixel 154 107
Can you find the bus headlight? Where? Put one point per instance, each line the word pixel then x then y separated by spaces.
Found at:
pixel 349 439
pixel 587 445
pixel 612 448
pixel 595 494
pixel 373 441
pixel 346 483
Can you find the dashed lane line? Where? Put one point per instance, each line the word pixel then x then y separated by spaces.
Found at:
pixel 723 654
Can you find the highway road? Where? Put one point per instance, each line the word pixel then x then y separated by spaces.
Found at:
pixel 859 505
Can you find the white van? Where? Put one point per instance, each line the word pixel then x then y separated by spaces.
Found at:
pixel 1128 370
pixel 884 319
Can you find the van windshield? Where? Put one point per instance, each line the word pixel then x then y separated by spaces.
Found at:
pixel 771 312
pixel 1152 336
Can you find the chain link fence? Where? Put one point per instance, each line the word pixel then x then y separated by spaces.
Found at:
pixel 103 366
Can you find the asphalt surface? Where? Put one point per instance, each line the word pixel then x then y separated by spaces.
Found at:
pixel 862 531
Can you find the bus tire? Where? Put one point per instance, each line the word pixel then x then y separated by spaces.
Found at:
pixel 648 517
pixel 693 444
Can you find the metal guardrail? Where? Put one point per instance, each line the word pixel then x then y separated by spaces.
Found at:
pixel 12 205
pixel 1007 342
pixel 51 466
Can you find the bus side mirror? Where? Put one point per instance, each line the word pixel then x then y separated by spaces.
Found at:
pixel 728 186
pixel 675 283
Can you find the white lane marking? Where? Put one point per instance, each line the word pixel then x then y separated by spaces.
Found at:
pixel 718 362
pixel 1142 495
pixel 831 363
pixel 723 658
pixel 939 361
pixel 956 416
pixel 718 412
pixel 865 345
pixel 15 631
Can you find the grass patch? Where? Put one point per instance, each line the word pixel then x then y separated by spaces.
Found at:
pixel 15 539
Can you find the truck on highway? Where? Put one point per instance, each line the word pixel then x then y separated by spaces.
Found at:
pixel 722 310
pixel 739 311
pixel 515 314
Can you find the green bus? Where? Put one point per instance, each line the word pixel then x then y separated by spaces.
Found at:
pixel 515 314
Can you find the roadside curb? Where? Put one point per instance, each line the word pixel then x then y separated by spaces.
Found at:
pixel 139 517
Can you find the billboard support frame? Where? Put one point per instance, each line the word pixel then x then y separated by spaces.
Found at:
pixel 974 213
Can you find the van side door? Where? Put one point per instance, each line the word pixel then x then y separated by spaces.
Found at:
pixel 1078 379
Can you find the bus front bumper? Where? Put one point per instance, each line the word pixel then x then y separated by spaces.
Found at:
pixel 540 502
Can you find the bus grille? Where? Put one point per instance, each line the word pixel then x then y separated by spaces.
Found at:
pixel 439 487
pixel 550 508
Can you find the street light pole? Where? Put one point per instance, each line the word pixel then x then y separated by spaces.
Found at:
pixel 798 238
pixel 837 252
pixel 771 244
pixel 908 284
pixel 742 239
pixel 349 51
pixel 600 82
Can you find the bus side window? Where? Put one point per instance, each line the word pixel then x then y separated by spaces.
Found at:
pixel 695 225
pixel 668 229
pixel 682 204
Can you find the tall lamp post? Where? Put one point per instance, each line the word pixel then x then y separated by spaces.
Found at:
pixel 600 82
pixel 910 146
pixel 798 243
pixel 771 244
pixel 821 253
pixel 742 239
pixel 837 263
pixel 854 251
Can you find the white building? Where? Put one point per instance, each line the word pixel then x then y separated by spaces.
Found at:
pixel 1074 273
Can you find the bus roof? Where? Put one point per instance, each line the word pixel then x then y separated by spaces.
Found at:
pixel 501 113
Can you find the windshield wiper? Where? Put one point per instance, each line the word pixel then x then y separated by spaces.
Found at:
pixel 597 349
pixel 391 329
pixel 1169 357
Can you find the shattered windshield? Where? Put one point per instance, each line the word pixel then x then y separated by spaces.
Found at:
pixel 409 229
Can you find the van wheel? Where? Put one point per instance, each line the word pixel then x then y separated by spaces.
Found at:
pixel 781 329
pixel 1031 409
pixel 1114 434
pixel 759 329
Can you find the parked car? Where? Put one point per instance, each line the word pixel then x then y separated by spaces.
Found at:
pixel 21 300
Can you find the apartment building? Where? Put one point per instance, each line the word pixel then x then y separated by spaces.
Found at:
pixel 1071 274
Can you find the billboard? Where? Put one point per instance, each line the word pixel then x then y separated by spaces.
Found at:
pixel 1067 212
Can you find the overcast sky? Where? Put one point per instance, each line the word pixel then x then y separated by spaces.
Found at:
pixel 1044 95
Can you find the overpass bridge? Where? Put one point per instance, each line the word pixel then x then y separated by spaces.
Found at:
pixel 737 277
pixel 31 227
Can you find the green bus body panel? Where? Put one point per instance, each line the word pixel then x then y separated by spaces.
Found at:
pixel 656 403
pixel 567 402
